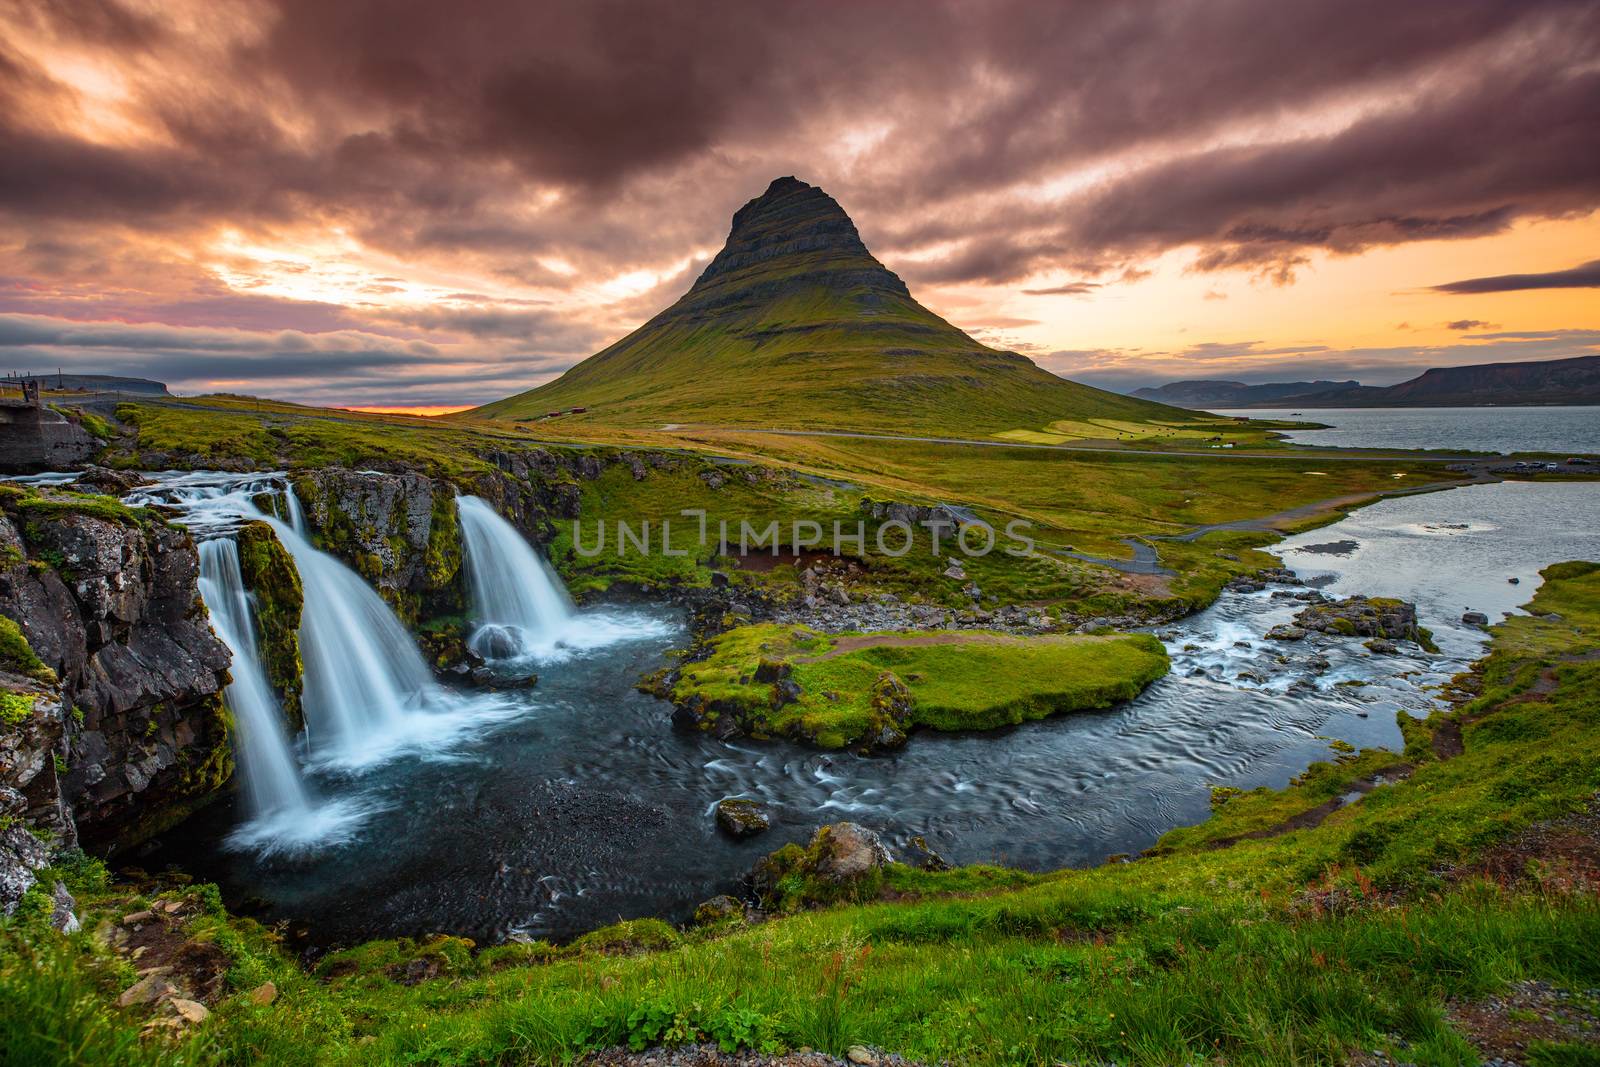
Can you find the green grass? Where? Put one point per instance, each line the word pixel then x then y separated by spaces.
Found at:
pixel 986 680
pixel 1296 948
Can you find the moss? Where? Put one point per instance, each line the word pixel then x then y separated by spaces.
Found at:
pixel 890 683
pixel 18 657
pixel 94 505
pixel 269 573
pixel 15 708
pixel 627 938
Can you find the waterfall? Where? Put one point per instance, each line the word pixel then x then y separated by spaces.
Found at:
pixel 520 606
pixel 522 610
pixel 297 515
pixel 364 678
pixel 272 785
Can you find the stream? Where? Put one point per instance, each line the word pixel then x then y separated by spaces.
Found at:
pixel 545 812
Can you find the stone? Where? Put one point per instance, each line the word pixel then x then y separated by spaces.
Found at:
pixel 848 851
pixel 147 990
pixel 1378 646
pixel 190 1011
pixel 1286 632
pixel 769 671
pixel 64 910
pixel 21 854
pixel 1475 618
pixel 265 993
pixel 138 918
pixel 862 1055
pixel 740 818
pixel 921 854
pixel 786 691
pixel 718 910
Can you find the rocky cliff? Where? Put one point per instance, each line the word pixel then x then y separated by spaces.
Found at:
pixel 104 599
pixel 399 529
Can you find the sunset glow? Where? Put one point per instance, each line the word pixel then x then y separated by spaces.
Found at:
pixel 273 197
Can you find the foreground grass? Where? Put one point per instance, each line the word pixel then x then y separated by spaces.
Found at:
pixel 1295 947
pixel 846 689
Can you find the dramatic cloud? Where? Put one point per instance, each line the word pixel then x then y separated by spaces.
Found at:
pixel 1586 276
pixel 1070 289
pixel 538 178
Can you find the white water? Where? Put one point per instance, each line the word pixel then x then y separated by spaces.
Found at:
pixel 266 765
pixel 368 694
pixel 522 611
pixel 284 816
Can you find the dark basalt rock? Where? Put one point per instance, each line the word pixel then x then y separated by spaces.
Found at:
pixel 110 603
pixel 740 818
pixel 1359 616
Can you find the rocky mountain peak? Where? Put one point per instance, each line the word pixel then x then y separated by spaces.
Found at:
pixel 792 234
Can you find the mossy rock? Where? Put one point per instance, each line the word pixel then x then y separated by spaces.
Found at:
pixel 17 655
pixel 270 574
pixel 627 938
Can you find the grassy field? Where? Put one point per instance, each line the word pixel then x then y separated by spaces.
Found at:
pixel 854 687
pixel 1367 930
pixel 1077 501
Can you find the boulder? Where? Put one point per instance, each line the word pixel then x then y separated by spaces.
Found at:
pixel 1475 618
pixel 846 851
pixel 740 818
pixel 718 910
pixel 921 854
pixel 842 860
pixel 1286 632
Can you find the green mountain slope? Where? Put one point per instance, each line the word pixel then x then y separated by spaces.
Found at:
pixel 795 324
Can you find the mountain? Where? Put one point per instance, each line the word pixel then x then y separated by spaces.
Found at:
pixel 794 324
pixel 1204 394
pixel 1554 381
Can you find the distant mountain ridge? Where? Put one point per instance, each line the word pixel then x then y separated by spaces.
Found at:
pixel 1544 382
pixel 103 383
pixel 1235 394
pixel 795 324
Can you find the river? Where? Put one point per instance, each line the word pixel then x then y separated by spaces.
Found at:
pixel 583 803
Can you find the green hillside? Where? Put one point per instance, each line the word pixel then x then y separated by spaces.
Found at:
pixel 795 325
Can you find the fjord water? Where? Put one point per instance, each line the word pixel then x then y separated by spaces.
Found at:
pixel 1481 429
pixel 588 805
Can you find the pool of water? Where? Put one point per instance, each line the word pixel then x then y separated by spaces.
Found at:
pixel 587 805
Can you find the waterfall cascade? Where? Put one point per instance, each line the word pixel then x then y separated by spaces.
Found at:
pixel 366 685
pixel 267 770
pixel 521 608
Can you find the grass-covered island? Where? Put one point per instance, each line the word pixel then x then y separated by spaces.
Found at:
pixel 871 689
pixel 1433 906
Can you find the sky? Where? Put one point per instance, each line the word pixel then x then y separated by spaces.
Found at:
pixel 390 203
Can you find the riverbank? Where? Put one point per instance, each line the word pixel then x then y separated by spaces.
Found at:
pixel 1300 943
